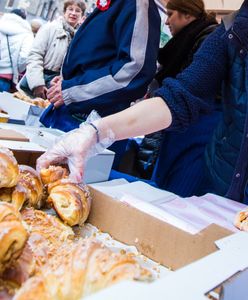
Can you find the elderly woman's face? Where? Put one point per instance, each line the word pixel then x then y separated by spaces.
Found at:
pixel 176 21
pixel 73 15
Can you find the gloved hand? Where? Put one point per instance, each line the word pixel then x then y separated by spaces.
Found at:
pixel 40 91
pixel 77 146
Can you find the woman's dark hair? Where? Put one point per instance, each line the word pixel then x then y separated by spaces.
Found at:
pixel 195 8
pixel 79 3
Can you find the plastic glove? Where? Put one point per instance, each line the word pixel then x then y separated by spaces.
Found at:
pixel 77 146
pixel 40 91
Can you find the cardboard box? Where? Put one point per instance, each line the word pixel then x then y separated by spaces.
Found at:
pixel 18 110
pixel 163 243
pixel 226 269
pixel 200 262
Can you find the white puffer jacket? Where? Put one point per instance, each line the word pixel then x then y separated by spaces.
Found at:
pixel 20 37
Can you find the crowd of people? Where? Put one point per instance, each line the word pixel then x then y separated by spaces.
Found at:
pixel 193 90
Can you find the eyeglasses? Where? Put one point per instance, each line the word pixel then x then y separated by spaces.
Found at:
pixel 74 10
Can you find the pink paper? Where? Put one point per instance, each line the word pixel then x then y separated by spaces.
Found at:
pixel 191 214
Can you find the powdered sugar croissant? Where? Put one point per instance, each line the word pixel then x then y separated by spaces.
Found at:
pixel 13 235
pixel 9 170
pixel 52 174
pixel 82 268
pixel 70 201
pixel 8 213
pixel 241 220
pixel 29 189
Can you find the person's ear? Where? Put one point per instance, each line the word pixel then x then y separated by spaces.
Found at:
pixel 187 16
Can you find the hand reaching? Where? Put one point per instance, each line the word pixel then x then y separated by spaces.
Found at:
pixel 77 146
pixel 40 92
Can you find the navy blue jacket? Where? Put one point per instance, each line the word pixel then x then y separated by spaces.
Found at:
pixel 222 58
pixel 109 63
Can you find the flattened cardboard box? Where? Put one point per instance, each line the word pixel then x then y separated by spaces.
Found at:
pixel 163 243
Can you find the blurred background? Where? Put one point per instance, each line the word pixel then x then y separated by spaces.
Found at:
pixel 50 9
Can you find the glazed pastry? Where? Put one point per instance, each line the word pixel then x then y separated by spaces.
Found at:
pixel 22 269
pixel 29 189
pixel 103 268
pixel 6 194
pixel 47 233
pixel 13 237
pixel 80 269
pixel 70 201
pixel 241 220
pixel 9 170
pixel 8 213
pixel 34 288
pixel 50 226
pixel 52 174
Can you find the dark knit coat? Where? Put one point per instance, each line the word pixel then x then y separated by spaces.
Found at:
pixel 223 56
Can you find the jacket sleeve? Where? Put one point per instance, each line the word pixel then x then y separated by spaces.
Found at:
pixel 24 52
pixel 35 61
pixel 136 35
pixel 193 91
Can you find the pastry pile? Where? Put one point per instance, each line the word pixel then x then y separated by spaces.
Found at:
pixel 23 187
pixel 36 101
pixel 40 255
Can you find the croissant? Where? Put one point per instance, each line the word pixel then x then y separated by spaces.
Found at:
pixel 13 237
pixel 8 213
pixel 241 220
pixel 29 189
pixel 9 170
pixel 6 194
pixel 47 233
pixel 70 201
pixel 52 174
pixel 79 270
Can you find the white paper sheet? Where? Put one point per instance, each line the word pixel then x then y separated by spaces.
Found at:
pixel 191 214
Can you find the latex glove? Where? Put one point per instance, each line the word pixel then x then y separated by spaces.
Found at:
pixel 76 147
pixel 40 92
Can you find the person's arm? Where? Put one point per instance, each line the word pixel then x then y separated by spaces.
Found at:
pixel 35 63
pixel 126 76
pixel 78 145
pixel 24 52
pixel 142 118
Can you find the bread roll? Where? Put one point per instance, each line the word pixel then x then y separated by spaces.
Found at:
pixel 13 237
pixel 70 201
pixel 52 174
pixel 29 189
pixel 9 170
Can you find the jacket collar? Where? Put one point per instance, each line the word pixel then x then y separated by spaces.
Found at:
pixel 238 23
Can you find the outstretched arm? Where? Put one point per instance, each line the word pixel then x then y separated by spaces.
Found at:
pixel 78 145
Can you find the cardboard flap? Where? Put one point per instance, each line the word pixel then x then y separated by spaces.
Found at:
pixel 11 135
pixel 162 242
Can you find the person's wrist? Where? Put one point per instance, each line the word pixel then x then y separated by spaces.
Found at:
pixel 97 133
